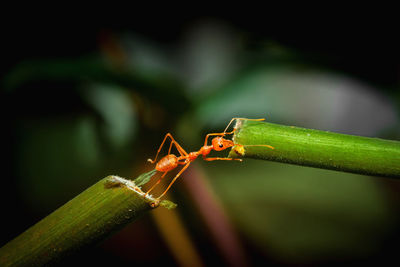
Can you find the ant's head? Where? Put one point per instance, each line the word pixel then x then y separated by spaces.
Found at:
pixel 219 143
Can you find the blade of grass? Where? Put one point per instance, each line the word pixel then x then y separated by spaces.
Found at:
pixel 90 217
pixel 320 149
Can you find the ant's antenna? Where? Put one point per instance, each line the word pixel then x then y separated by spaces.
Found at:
pixel 241 119
pixel 261 145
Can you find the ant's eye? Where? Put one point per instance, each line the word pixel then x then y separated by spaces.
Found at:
pixel 221 145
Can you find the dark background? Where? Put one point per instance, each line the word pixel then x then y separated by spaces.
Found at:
pixel 365 49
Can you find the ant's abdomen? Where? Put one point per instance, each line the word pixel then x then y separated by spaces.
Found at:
pixel 167 163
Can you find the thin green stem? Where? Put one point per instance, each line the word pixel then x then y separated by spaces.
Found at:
pixel 327 150
pixel 90 217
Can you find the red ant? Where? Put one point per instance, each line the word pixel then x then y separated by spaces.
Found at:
pixel 170 161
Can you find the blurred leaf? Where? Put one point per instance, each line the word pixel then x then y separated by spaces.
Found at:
pixel 209 56
pixel 56 160
pixel 115 106
pixel 300 213
pixel 147 56
pixel 156 86
pixel 298 95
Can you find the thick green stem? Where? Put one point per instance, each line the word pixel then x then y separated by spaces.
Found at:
pixel 93 215
pixel 362 155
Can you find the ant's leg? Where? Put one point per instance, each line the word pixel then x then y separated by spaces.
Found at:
pixel 225 133
pixel 180 149
pixel 154 185
pixel 214 134
pixel 210 134
pixel 240 119
pixel 173 181
pixel 159 149
pixel 212 159
pixel 170 146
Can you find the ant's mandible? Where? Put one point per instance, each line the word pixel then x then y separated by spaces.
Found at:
pixel 170 161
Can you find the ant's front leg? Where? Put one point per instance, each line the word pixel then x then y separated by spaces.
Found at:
pixel 216 134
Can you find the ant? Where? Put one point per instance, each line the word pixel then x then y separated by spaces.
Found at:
pixel 170 161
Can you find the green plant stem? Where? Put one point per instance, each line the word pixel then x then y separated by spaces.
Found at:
pixel 91 216
pixel 327 150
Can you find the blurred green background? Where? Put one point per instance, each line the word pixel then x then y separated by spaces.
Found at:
pixel 80 102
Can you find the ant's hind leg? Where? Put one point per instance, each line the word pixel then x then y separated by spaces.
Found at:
pixel 173 181
pixel 159 149
pixel 155 184
pixel 180 149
